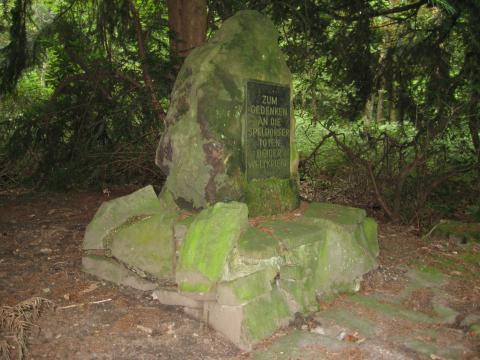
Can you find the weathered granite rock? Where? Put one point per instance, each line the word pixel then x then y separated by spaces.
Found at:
pixel 113 213
pixel 247 288
pixel 203 147
pixel 131 236
pixel 260 276
pixel 339 214
pixel 170 297
pixel 207 245
pixel 243 280
pixel 110 270
pixel 146 245
pixel 249 323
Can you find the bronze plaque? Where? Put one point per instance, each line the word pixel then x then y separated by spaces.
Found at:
pixel 267 130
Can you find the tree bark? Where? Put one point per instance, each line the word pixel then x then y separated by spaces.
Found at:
pixel 187 20
pixel 369 106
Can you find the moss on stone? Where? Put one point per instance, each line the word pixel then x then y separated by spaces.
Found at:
pixel 339 214
pixel 271 196
pixel 264 315
pixel 111 270
pixel 246 288
pixel 303 299
pixel 208 243
pixel 116 212
pixel 146 245
pixel 292 234
pixel 392 310
pixel 351 320
pixel 257 244
pixel 194 287
pixel 341 260
pixel 190 160
pixel 240 265
pixel 167 201
pixel 202 148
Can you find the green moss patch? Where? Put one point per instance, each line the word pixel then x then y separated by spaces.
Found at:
pixel 292 234
pixel 271 196
pixel 147 245
pixel 115 213
pixel 203 147
pixel 392 310
pixel 264 315
pixel 351 320
pixel 256 243
pixel 208 243
pixel 370 228
pixel 337 213
pixel 246 288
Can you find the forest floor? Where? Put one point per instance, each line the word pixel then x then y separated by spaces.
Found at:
pixel 419 303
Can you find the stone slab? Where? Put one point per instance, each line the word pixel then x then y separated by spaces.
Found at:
pixel 114 213
pixel 339 214
pixel 147 245
pixel 110 270
pixel 247 324
pixel 247 288
pixel 207 245
pixel 167 297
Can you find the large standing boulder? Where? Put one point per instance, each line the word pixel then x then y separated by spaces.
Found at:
pixel 230 128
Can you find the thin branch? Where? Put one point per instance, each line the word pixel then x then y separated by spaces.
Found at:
pixel 319 145
pixel 157 108
pixel 368 166
pixel 376 13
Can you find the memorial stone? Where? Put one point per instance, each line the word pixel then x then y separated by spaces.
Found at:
pixel 230 126
pixel 229 147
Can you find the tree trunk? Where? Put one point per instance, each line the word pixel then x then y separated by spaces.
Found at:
pixel 369 109
pixel 187 20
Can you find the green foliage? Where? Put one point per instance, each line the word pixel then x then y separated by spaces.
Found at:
pixel 387 96
pixel 441 186
pixel 81 114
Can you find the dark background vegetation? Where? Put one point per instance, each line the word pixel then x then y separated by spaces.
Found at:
pixel 386 95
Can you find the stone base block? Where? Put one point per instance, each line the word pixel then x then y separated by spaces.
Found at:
pixel 110 270
pixel 174 298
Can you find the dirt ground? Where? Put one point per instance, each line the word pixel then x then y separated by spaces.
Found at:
pixel 40 255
